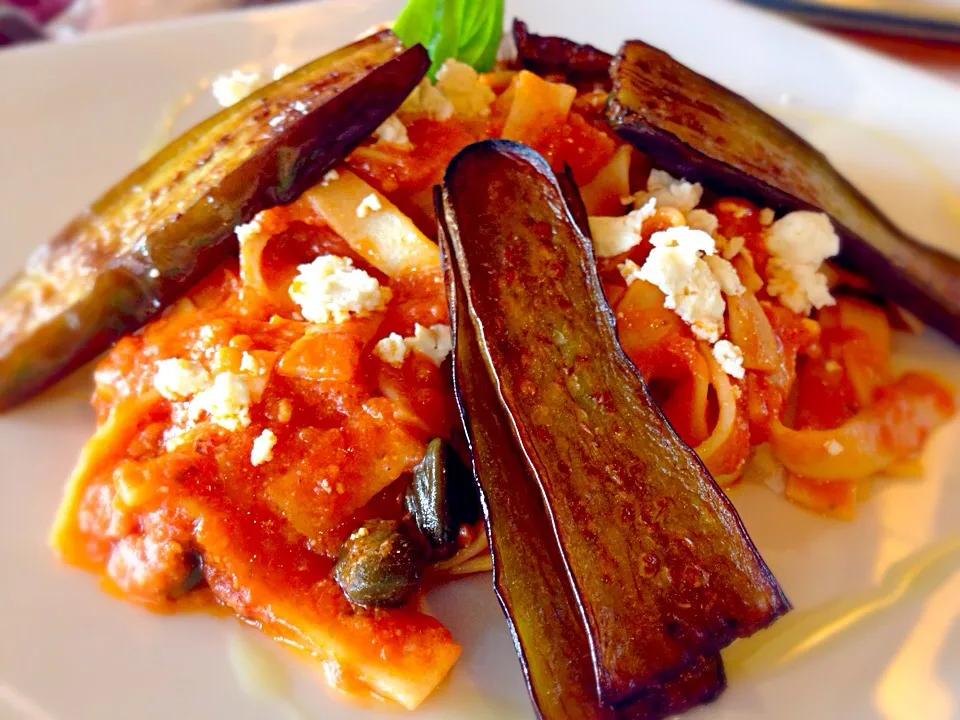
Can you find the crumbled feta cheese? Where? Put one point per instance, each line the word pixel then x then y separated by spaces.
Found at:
pixel 226 401
pixel 250 364
pixel 434 342
pixel 427 99
pixel 615 235
pixel 331 289
pixel 371 203
pixel 803 237
pixel 833 447
pixel 262 451
pixel 670 192
pixel 178 379
pixel 329 177
pixel 391 349
pixel 629 271
pixel 249 231
pixel 767 216
pixel 461 85
pixel 154 273
pixel 676 266
pixel 393 131
pixel 230 89
pixel 729 357
pixel 703 220
pixel 799 243
pixel 281 71
pixel 726 275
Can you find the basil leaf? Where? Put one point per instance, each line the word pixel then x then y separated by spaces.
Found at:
pixel 466 30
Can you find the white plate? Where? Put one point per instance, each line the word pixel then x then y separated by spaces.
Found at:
pixel 73 118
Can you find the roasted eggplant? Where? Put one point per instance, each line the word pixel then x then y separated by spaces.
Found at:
pixel 700 683
pixel 529 575
pixel 644 531
pixel 151 236
pixel 581 65
pixel 695 128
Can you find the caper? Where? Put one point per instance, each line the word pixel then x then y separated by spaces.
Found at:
pixel 380 565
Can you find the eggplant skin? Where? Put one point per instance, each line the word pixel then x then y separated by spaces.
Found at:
pixel 581 65
pixel 528 573
pixel 662 566
pixel 159 230
pixel 530 579
pixel 695 128
pixel 700 683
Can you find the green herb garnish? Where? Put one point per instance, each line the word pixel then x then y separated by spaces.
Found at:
pixel 466 30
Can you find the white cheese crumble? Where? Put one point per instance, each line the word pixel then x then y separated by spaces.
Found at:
pixel 615 235
pixel 330 176
pixel 670 192
pixel 704 220
pixel 393 131
pixel 281 71
pixel 331 289
pixel 730 358
pixel 230 89
pixel 391 349
pixel 629 271
pixel 226 402
pixel 833 447
pixel 249 231
pixel 726 275
pixel 461 85
pixel 434 342
pixel 178 379
pixel 262 451
pixel 250 364
pixel 371 203
pixel 676 266
pixel 799 243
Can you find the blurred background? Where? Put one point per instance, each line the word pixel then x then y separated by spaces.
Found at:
pixel 925 33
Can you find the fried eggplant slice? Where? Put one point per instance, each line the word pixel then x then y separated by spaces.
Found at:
pixel 581 65
pixel 697 129
pixel 528 574
pixel 662 566
pixel 701 683
pixel 155 233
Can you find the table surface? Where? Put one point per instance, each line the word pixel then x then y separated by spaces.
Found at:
pixel 942 59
